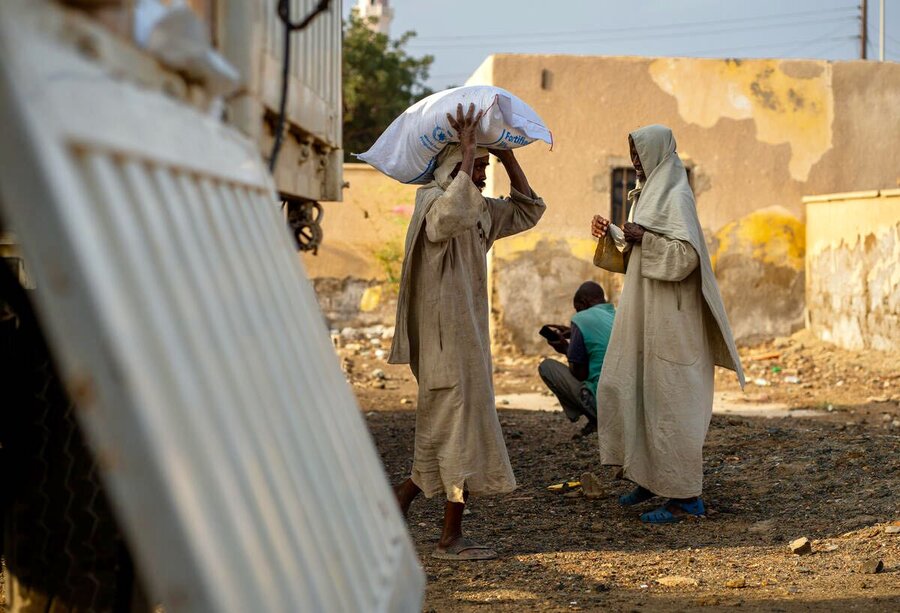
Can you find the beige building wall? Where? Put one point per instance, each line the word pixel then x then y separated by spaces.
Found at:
pixel 757 135
pixel 853 269
pixel 358 265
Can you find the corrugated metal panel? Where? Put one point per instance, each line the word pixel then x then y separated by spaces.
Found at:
pixel 315 57
pixel 192 342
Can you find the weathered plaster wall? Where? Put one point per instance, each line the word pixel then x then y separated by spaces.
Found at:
pixel 757 134
pixel 356 270
pixel 853 269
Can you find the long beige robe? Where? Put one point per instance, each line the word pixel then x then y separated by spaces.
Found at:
pixel 442 332
pixel 654 398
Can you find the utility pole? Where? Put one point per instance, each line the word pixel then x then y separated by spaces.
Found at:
pixel 863 29
pixel 881 31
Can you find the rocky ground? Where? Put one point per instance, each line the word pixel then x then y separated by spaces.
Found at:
pixel 833 479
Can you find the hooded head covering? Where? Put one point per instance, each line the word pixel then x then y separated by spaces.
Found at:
pixel 447 159
pixel 666 206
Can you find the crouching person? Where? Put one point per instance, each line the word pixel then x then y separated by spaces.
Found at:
pixel 584 345
pixel 442 331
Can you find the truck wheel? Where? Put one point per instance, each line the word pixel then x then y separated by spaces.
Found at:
pixel 62 550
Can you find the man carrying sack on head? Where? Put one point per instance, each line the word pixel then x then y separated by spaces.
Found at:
pixel 442 330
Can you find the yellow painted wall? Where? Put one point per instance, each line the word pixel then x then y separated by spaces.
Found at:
pixel 853 268
pixel 363 235
pixel 758 135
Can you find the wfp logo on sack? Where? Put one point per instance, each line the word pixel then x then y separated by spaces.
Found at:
pixel 439 135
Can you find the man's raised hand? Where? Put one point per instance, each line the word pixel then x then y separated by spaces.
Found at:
pixel 599 226
pixel 466 125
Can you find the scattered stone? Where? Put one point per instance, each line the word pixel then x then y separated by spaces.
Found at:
pixel 792 379
pixel 804 569
pixel 878 399
pixel 895 424
pixel 379 385
pixel 380 353
pixel 830 548
pixel 590 484
pixel 378 374
pixel 760 382
pixel 504 402
pixel 678 581
pixel 892 530
pixel 446 571
pixel 871 567
pixel 801 546
pixel 736 583
pixel 405 401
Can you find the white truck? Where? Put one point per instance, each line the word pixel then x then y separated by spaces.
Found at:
pixel 176 433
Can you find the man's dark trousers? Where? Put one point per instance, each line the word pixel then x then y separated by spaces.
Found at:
pixel 576 399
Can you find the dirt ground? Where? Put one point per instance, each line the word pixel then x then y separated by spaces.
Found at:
pixel 833 478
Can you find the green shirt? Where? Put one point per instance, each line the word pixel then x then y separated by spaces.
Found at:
pixel 595 325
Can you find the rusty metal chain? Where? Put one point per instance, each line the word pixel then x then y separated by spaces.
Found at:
pixel 304 219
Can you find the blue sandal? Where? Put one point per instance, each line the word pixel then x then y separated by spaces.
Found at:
pixel 663 515
pixel 636 496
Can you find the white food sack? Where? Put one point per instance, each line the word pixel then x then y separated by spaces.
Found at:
pixel 408 149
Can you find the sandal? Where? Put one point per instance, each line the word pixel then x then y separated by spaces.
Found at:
pixel 663 515
pixel 636 496
pixel 464 550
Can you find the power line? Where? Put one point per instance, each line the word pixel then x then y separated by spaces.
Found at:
pixel 643 28
pixel 767 45
pixel 655 36
pixel 822 53
pixel 827 36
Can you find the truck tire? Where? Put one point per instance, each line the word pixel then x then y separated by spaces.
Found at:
pixel 62 549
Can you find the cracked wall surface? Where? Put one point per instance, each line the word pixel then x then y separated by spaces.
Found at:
pixel 758 136
pixel 853 269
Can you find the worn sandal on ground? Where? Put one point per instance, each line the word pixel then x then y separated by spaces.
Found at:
pixel 663 515
pixel 464 550
pixel 636 496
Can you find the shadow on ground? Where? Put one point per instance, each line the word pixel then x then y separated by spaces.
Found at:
pixel 768 481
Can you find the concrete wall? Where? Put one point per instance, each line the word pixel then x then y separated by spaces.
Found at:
pixel 853 269
pixel 356 271
pixel 757 134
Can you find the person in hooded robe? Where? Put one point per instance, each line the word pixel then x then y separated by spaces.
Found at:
pixel 442 331
pixel 655 394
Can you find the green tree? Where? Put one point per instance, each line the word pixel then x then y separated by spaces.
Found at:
pixel 380 81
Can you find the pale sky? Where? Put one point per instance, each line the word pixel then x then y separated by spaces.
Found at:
pixel 461 33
